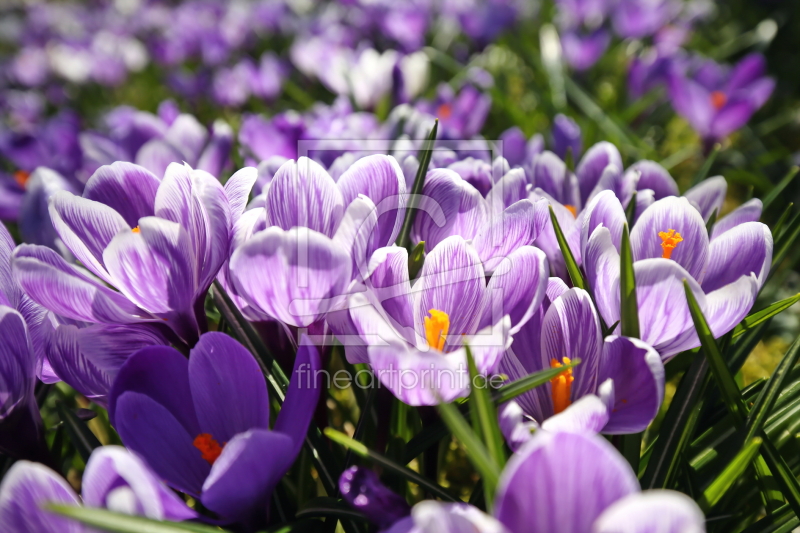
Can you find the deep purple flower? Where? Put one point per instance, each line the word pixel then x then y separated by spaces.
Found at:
pixel 566 135
pixel 717 101
pixel 461 115
pixel 159 242
pixel 583 49
pixel 641 18
pixel 626 374
pixel 114 479
pixel 361 488
pixel 594 488
pixel 203 424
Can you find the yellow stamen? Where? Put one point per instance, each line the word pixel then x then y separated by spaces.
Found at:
pixel 136 229
pixel 571 209
pixel 670 240
pixel 436 327
pixel 209 448
pixel 562 386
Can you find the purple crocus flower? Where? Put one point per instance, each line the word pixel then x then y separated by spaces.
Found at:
pixel 635 19
pixel 670 244
pixel 114 479
pixel 461 115
pixel 717 101
pixel 626 374
pixel 566 135
pixel 314 236
pixel 414 339
pixel 596 489
pixel 203 424
pixel 361 488
pixel 159 242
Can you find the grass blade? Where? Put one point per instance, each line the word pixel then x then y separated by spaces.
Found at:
pixel 776 229
pixel 714 493
pixel 702 173
pixel 531 381
pixel 362 451
pixel 629 307
pixel 786 242
pixel 485 413
pixel 630 211
pixel 573 269
pixel 778 189
pixel 425 155
pixel 754 319
pixel 323 507
pixel 79 433
pixel 124 523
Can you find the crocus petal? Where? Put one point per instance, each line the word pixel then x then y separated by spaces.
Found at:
pixel 692 101
pixel 664 318
pixel 25 488
pixel 187 135
pixel 508 190
pixel 650 175
pixel 216 155
pixel 612 180
pixel 451 281
pixel 303 194
pixel 127 188
pixel 655 511
pixel 727 306
pixel 731 117
pixel 390 287
pixel 638 376
pixel 242 476
pixel 519 225
pixel 86 227
pixel 238 188
pixel 587 415
pixel 592 165
pixel 488 346
pixel 668 214
pixel 358 234
pixel 571 329
pixel 517 287
pixel 17 362
pixel 708 195
pixel 745 249
pixel 749 211
pixel 88 359
pixel 294 276
pixel 547 239
pixel 302 396
pixel 380 178
pixel 56 285
pixel 551 175
pixel 118 480
pixel 561 483
pixel 516 428
pixel 431 516
pixel 156 155
pixel 223 373
pixel 149 429
pixel 604 209
pixel 361 488
pixel 196 200
pixel 420 378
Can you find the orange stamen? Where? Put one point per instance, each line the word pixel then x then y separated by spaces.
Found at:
pixel 436 327
pixel 670 240
pixel 444 111
pixel 718 100
pixel 562 386
pixel 136 229
pixel 21 177
pixel 209 448
pixel 572 209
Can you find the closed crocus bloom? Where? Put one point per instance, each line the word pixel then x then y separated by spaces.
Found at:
pixel 670 244
pixel 593 163
pixel 361 488
pixel 566 136
pixel 596 488
pixel 159 242
pixel 203 425
pixel 314 236
pixel 626 374
pixel 415 340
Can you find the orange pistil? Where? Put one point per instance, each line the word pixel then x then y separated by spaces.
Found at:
pixel 209 448
pixel 436 327
pixel 718 100
pixel 562 386
pixel 21 177
pixel 670 240
pixel 444 111
pixel 136 229
pixel 571 209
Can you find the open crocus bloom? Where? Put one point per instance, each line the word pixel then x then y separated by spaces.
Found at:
pixel 414 337
pixel 578 483
pixel 160 242
pixel 626 374
pixel 670 244
pixel 114 479
pixel 497 225
pixel 203 425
